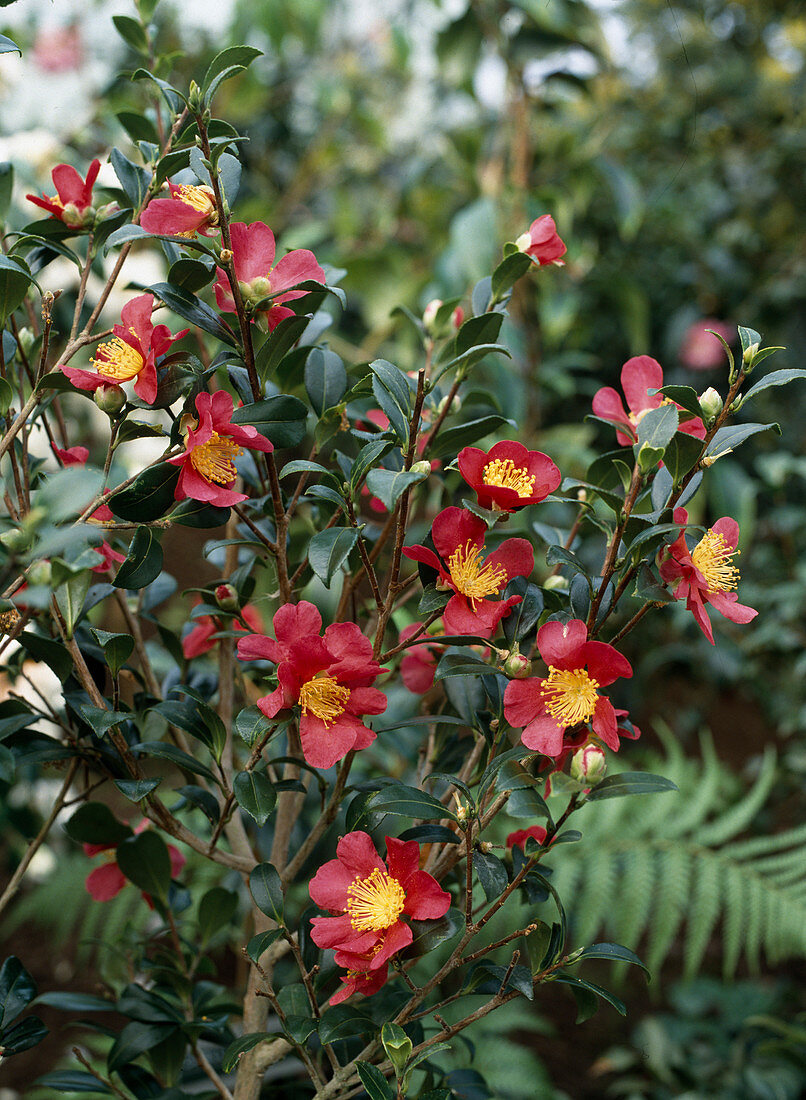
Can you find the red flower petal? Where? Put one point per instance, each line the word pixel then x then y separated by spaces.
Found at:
pixel 560 643
pixel 639 374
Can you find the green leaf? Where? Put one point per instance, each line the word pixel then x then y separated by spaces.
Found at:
pixel 70 598
pixel 135 1039
pixel 251 724
pixel 73 1080
pixel 170 752
pixel 7 46
pixel 143 563
pixel 681 455
pixel 117 648
pixel 461 664
pixel 657 427
pixel 393 394
pixel 45 649
pixel 749 337
pixel 172 96
pixel 133 179
pixel 405 801
pixel 94 823
pixel 729 438
pixel 278 343
pixel 132 34
pixel 776 378
pixel 6 180
pixel 451 440
pixel 255 794
pixel 14 280
pixel 616 786
pixel 482 329
pixel 374 1082
pixel 491 874
pixel 613 951
pixel 280 418
pixel 144 860
pixel 227 63
pixel 24 1035
pixel 137 126
pixel 523 617
pixel 647 457
pixel 267 891
pixel 526 802
pixel 190 307
pixel 6 395
pixel 197 719
pixel 137 789
pixel 246 1042
pixel 428 934
pixel 99 719
pixel 198 514
pixel 370 454
pixel 512 268
pixel 216 909
pixel 329 549
pixel 325 379
pixel 683 395
pixel 149 496
pixel 17 990
pixel 389 485
pixel 580 983
pixel 261 942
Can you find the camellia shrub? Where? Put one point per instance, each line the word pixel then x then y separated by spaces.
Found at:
pixel 356 753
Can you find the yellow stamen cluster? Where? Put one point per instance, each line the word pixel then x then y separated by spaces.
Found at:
pixel 375 902
pixel 213 459
pixel 324 697
pixel 8 620
pixel 118 360
pixel 470 577
pixel 201 199
pixel 712 556
pixel 570 694
pixel 503 473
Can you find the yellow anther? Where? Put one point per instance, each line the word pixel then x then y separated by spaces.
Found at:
pixel 570 695
pixel 503 472
pixel 712 556
pixel 118 360
pixel 324 697
pixel 375 902
pixel 213 459
pixel 471 578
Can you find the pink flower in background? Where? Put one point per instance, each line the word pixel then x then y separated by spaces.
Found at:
pixel 58 50
pixel 542 242
pixel 253 250
pixel 72 203
pixel 106 881
pixel 639 375
pixel 207 468
pixel 201 638
pixel 419 663
pixel 700 349
pixel 131 354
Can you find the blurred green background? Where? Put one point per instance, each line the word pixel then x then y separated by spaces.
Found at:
pixel 405 141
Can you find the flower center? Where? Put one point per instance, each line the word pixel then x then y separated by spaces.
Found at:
pixel 375 902
pixel 712 556
pixel 200 198
pixel 324 697
pixel 213 459
pixel 472 579
pixel 118 360
pixel 506 475
pixel 570 695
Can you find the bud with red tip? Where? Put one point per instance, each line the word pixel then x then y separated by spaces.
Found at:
pixel 226 596
pixel 588 765
pixel 110 399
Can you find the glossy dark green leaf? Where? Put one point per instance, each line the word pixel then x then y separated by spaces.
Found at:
pixel 775 378
pixel 137 126
pixel 523 617
pixel 729 438
pixel 17 990
pixel 393 394
pixel 428 934
pixel 73 1080
pixel 369 455
pixel 405 801
pixel 657 427
pixel 190 307
pixel 23 1035
pixel 149 496
pixel 580 983
pixel 267 890
pixel 216 909
pixel 374 1082
pixel 117 648
pixel 137 789
pixel 329 549
pixel 14 282
pixel 613 951
pixel 135 1039
pixel 512 268
pixel 246 1042
pixel 461 664
pixel 682 395
pixel 491 874
pixel 251 724
pixel 617 786
pixel 255 794
pixel 144 860
pixel 237 57
pixel 143 563
pixel 198 514
pixel 280 418
pixel 132 34
pixel 389 485
pixel 261 942
pixel 278 343
pixel 451 440
pixel 182 759
pixel 325 379
pixel 45 649
pixel 133 179
pixel 94 823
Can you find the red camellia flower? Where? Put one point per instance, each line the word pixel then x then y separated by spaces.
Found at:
pixel 201 638
pixel 130 354
pixel 207 468
pixel 639 375
pixel 459 540
pixel 371 898
pixel 258 276
pixel 520 836
pixel 508 476
pixel 188 211
pixel 419 663
pixel 542 242
pixel 329 677
pixel 706 574
pixel 72 203
pixel 364 981
pixel 569 695
pixel 106 881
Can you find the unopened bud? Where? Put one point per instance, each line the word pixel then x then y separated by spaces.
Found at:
pixel 524 242
pixel 456 405
pixel 711 404
pixel 40 572
pixel 457 317
pixel 225 255
pixel 194 96
pixel 517 666
pixel 16 540
pixel 588 765
pixel 749 354
pixel 582 495
pixel 461 809
pixel 485 846
pixel 77 219
pixel 555 583
pixel 430 313
pixel 421 467
pixel 106 211
pixel 226 596
pixel 110 399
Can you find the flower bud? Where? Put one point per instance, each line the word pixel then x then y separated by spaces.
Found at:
pixel 421 467
pixel 517 666
pixel 430 313
pixel 588 765
pixel 555 583
pixel 524 242
pixel 106 211
pixel 711 405
pixel 77 219
pixel 461 809
pixel 25 338
pixel 582 495
pixel 226 596
pixel 485 846
pixel 750 352
pixel 194 96
pixel 456 405
pixel 110 399
pixel 39 572
pixel 457 317
pixel 225 255
pixel 15 540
